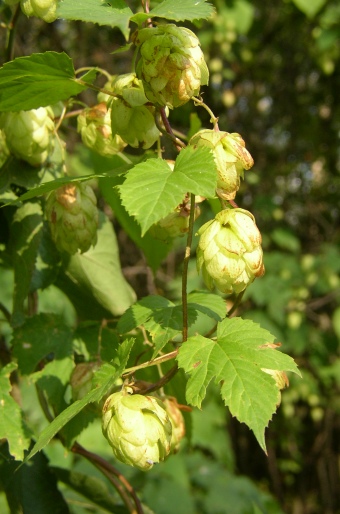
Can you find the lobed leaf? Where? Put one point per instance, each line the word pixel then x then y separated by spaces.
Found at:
pixel 235 359
pixel 38 80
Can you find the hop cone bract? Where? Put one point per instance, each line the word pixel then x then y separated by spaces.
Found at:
pixel 73 217
pixel 171 64
pixel 94 125
pixel 177 422
pixel 29 134
pixel 229 252
pixel 44 9
pixel 231 158
pixel 137 428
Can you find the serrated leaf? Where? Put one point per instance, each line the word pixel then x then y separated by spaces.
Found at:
pixel 208 303
pixel 26 233
pixel 104 380
pixel 164 189
pixel 178 11
pixel 12 425
pixel 236 359
pixel 98 271
pixel 117 14
pixel 41 336
pixel 37 81
pixel 141 311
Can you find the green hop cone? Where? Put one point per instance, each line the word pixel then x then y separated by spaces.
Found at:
pixel 175 224
pixel 94 126
pixel 171 64
pixel 73 217
pixel 138 429
pixel 229 252
pixel 44 9
pixel 177 422
pixel 131 118
pixel 29 134
pixel 231 158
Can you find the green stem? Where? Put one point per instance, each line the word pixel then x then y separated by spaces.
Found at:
pixel 236 304
pixel 185 268
pixel 100 70
pixel 154 362
pixel 213 118
pixel 162 381
pixel 9 54
pixel 96 88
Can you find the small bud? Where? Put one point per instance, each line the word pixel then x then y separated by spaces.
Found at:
pixel 137 428
pixel 231 159
pixel 44 9
pixel 229 252
pixel 94 125
pixel 29 134
pixel 73 217
pixel 171 64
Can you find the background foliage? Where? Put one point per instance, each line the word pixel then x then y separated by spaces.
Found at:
pixel 274 79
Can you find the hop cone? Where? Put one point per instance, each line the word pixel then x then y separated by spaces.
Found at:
pixel 44 9
pixel 138 429
pixel 231 159
pixel 171 64
pixel 175 224
pixel 280 378
pixel 131 118
pixel 229 252
pixel 94 125
pixel 73 217
pixel 177 422
pixel 29 134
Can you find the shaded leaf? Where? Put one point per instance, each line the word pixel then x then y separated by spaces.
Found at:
pixel 98 271
pixel 173 10
pixel 12 425
pixel 208 303
pixel 309 7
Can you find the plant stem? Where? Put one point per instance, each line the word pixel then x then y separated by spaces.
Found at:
pixel 154 362
pixel 162 381
pixel 185 268
pixel 236 304
pixel 9 54
pixel 108 470
pixel 213 118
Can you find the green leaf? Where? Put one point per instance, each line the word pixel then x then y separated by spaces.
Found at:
pixel 98 271
pixel 164 189
pixel 39 337
pixel 178 11
pixel 309 7
pixel 26 232
pixel 12 426
pixel 32 488
pixel 155 251
pixel 37 81
pixel 117 14
pixel 208 303
pixel 105 378
pixel 236 358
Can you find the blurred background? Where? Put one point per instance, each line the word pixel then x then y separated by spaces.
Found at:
pixel 275 79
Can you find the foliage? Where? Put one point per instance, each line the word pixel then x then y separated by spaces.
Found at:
pixel 112 318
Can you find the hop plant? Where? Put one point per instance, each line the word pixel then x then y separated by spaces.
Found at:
pixel 4 152
pixel 29 134
pixel 73 217
pixel 229 252
pixel 81 379
pixel 44 9
pixel 171 64
pixel 94 125
pixel 131 118
pixel 231 158
pixel 138 429
pixel 177 422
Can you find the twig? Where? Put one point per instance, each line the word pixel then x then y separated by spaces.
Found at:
pixel 185 268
